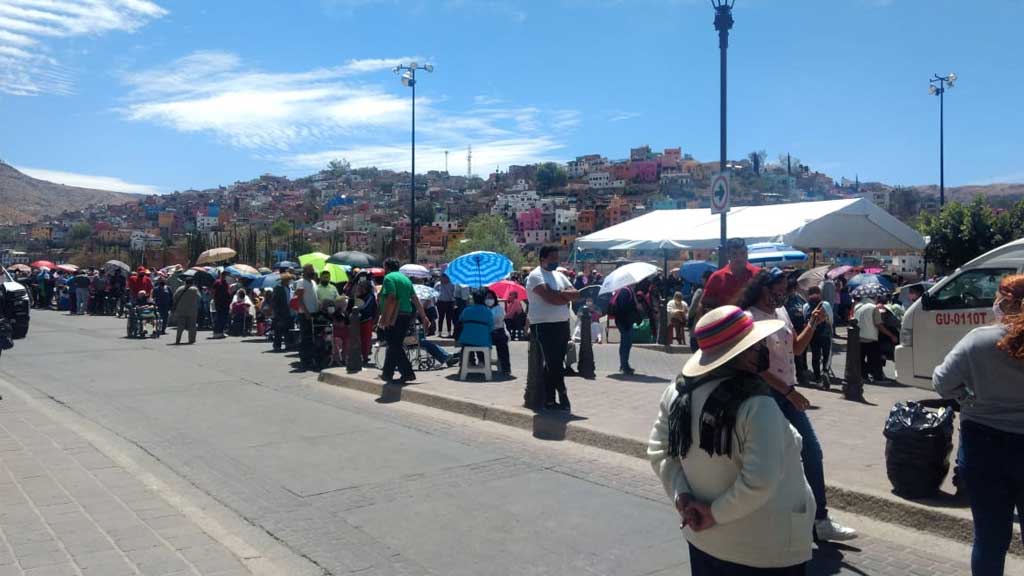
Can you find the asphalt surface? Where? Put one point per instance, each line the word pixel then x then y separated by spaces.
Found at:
pixel 348 485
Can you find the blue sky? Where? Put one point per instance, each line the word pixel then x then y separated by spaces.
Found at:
pixel 158 95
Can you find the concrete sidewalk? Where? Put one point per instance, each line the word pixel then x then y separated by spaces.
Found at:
pixel 67 508
pixel 615 412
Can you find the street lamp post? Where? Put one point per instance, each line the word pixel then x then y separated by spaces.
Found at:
pixel 409 79
pixel 937 87
pixel 723 23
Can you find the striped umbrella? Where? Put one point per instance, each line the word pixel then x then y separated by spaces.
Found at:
pixel 479 268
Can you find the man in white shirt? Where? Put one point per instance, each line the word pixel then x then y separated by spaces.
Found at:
pixel 305 289
pixel 869 324
pixel 549 294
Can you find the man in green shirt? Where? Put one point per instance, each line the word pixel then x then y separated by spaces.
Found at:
pixel 399 303
pixel 325 291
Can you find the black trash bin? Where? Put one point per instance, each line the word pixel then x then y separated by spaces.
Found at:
pixel 918 444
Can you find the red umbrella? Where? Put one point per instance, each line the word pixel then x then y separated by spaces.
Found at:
pixel 504 287
pixel 376 272
pixel 43 264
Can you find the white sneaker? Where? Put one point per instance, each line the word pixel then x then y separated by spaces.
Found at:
pixel 829 530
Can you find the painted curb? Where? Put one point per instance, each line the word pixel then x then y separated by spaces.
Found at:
pixel 884 508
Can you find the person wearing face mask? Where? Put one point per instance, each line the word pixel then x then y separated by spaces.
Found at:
pixel 764 298
pixel 549 294
pixel 498 334
pixel 821 341
pixel 728 458
pixel 983 373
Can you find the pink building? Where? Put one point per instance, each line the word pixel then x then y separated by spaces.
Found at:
pixel 644 171
pixel 531 219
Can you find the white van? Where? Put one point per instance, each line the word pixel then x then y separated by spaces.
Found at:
pixel 953 307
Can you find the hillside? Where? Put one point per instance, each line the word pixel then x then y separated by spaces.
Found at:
pixel 24 199
pixel 967 193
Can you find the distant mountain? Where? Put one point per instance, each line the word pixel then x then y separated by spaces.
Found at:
pixel 24 199
pixel 967 193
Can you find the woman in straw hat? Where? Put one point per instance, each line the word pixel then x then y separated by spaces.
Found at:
pixel 729 459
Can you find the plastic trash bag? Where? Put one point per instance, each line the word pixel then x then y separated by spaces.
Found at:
pixel 918 445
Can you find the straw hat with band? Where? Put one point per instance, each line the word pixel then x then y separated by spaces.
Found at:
pixel 723 334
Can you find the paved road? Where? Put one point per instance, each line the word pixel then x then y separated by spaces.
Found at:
pixel 314 479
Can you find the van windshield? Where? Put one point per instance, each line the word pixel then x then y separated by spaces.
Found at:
pixel 971 289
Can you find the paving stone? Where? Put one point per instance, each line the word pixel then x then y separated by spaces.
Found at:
pixel 157 561
pixel 39 558
pixel 54 570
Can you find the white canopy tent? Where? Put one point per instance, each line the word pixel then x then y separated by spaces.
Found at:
pixel 855 224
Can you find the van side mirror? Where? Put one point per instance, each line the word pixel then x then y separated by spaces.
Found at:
pixel 927 303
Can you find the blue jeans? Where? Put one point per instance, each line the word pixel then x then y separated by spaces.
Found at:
pixel 992 466
pixel 625 345
pixel 433 349
pixel 813 457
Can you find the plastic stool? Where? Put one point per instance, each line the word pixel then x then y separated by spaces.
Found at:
pixel 484 368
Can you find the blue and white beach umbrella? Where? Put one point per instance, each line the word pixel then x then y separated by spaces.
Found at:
pixel 479 269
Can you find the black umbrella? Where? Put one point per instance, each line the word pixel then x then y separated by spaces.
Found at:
pixel 354 259
pixel 201 277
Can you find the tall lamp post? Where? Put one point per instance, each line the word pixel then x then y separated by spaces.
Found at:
pixel 723 23
pixel 408 72
pixel 937 87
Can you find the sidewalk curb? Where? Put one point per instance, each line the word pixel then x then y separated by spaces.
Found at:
pixel 877 506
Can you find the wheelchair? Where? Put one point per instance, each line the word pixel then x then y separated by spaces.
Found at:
pixel 418 357
pixel 140 318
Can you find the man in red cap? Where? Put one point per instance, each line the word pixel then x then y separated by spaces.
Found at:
pixel 139 282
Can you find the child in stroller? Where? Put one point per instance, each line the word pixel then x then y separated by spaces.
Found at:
pixel 141 315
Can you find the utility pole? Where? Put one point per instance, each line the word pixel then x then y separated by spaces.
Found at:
pixel 409 79
pixel 937 86
pixel 723 23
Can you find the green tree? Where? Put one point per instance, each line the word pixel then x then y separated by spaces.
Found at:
pixel 425 213
pixel 339 168
pixel 550 175
pixel 1009 224
pixel 959 233
pixel 281 228
pixel 488 232
pixel 80 233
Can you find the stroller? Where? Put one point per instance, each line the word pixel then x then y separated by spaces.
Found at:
pixel 141 317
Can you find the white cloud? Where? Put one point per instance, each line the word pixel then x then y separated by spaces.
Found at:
pixel 301 118
pixel 214 92
pixel 88 181
pixel 28 26
pixel 621 116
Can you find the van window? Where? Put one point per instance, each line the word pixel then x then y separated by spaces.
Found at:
pixel 971 289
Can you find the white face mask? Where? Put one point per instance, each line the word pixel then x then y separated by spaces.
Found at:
pixel 489 302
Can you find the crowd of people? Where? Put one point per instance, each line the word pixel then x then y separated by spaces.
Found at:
pixel 733 443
